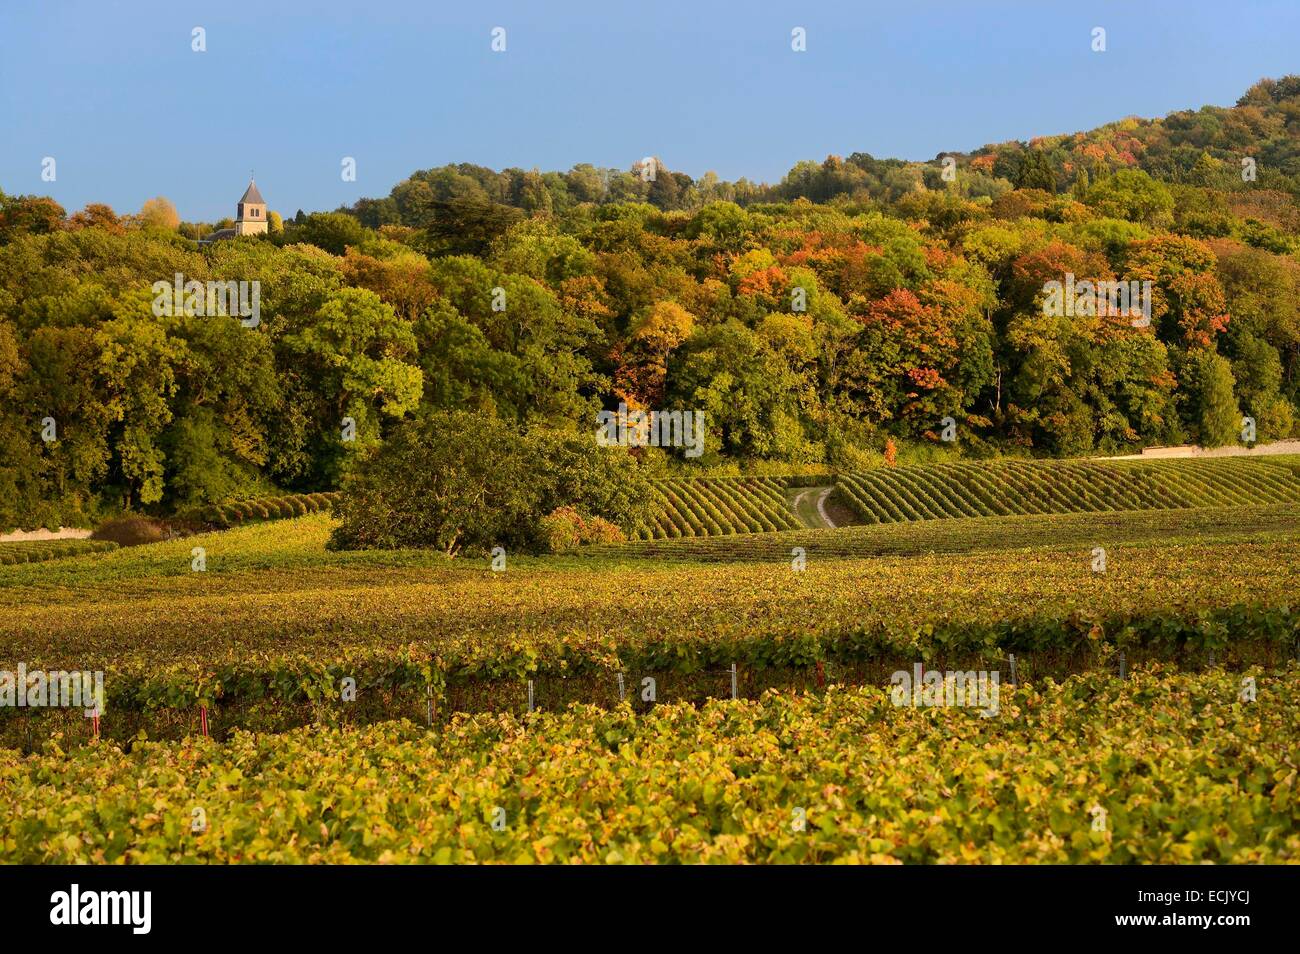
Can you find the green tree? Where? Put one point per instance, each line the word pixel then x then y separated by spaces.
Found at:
pixel 1258 374
pixel 1036 172
pixel 1132 194
pixel 332 231
pixel 1211 406
pixel 137 365
pixel 361 356
pixel 461 482
pixel 227 396
pixel 466 226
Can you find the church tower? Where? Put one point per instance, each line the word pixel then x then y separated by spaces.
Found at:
pixel 251 218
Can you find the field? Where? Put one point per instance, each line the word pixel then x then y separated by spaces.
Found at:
pixel 910 538
pixel 702 508
pixel 580 470
pixel 720 506
pixel 1177 768
pixel 38 551
pixel 268 508
pixel 267 633
pixel 382 705
pixel 1034 487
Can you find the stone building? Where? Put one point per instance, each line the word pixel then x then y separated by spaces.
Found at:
pixel 250 217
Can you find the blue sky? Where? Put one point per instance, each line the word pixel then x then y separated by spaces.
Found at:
pixel 113 91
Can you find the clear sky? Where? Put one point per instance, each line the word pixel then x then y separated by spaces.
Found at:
pixel 113 91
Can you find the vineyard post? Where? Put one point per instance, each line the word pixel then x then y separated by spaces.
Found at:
pixel 428 697
pixel 1123 665
pixel 734 693
pixel 530 695
pixel 1011 658
pixel 621 692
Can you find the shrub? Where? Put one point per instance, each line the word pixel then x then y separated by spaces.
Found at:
pixel 456 480
pixel 600 530
pixel 565 529
pixel 560 530
pixel 131 531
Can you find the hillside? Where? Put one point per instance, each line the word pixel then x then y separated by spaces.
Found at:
pixel 1039 487
pixel 860 311
pixel 1202 147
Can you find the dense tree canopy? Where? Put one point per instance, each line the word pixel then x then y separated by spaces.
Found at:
pixel 860 303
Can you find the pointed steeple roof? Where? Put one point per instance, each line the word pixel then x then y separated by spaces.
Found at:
pixel 252 195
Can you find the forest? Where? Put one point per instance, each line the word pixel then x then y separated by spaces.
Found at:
pixel 831 321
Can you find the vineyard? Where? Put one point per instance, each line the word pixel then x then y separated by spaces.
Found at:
pixel 1179 766
pixel 1011 487
pixel 718 506
pixel 703 508
pixel 267 634
pixel 709 698
pixel 38 551
pixel 903 538
pixel 269 508
pixel 585 445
